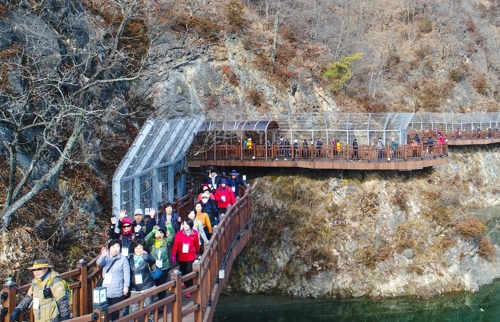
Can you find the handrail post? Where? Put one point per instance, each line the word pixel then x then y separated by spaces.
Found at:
pixel 9 292
pixel 83 292
pixel 198 317
pixel 102 315
pixel 176 276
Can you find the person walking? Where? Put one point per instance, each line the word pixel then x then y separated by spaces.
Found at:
pixel 380 148
pixel 186 247
pixel 224 197
pixel 234 181
pixel 46 295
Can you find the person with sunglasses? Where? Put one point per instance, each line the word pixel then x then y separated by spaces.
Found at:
pixel 46 295
pixel 126 234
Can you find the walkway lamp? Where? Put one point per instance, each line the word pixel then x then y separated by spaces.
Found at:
pixel 100 298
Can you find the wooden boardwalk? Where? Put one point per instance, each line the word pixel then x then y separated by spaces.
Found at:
pixel 403 158
pixel 209 276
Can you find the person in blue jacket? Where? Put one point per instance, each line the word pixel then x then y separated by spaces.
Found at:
pixel 234 182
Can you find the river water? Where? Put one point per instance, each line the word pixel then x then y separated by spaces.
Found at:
pixel 456 307
pixel 465 307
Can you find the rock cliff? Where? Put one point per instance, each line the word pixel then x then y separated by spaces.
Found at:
pixel 350 234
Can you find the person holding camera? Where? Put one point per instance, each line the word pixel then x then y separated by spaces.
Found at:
pixel 47 295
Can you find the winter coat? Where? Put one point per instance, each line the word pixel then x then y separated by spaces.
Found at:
pixel 139 270
pixel 126 240
pixel 210 207
pixel 205 221
pixel 120 272
pixel 228 195
pixel 193 246
pixel 234 184
pixel 52 309
pixel 160 250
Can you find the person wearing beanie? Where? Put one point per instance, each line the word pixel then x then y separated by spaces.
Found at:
pixel 159 242
pixel 205 189
pixel 224 197
pixel 186 247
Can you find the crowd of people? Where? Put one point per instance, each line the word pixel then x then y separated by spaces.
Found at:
pixel 141 251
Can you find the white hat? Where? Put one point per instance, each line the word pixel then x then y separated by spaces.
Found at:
pixel 138 211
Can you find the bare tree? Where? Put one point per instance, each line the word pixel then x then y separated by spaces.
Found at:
pixel 51 103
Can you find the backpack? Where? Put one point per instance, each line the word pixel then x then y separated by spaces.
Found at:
pixel 65 284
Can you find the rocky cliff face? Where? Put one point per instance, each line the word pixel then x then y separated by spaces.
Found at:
pixel 345 234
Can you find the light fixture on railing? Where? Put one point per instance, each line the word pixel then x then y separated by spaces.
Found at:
pixel 222 273
pixel 100 298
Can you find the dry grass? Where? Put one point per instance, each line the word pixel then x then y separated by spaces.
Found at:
pixel 486 249
pixel 470 228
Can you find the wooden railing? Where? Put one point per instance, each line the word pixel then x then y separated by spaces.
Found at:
pixel 228 239
pixel 453 135
pixel 325 153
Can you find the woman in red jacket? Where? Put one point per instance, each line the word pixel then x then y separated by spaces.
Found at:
pixel 224 196
pixel 186 246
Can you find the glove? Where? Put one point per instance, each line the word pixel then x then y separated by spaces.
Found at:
pixel 13 316
pixel 174 259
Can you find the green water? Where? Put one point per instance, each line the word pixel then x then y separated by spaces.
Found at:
pixel 457 307
pixel 481 306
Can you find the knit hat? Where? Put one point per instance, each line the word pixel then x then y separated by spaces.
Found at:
pixel 127 220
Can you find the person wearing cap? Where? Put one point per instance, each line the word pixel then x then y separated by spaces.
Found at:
pixel 224 197
pixel 209 206
pixel 126 233
pixel 159 242
pixel 139 224
pixel 47 295
pixel 115 273
pixel 234 182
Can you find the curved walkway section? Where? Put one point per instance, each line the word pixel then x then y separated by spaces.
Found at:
pixel 402 158
pixel 209 276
